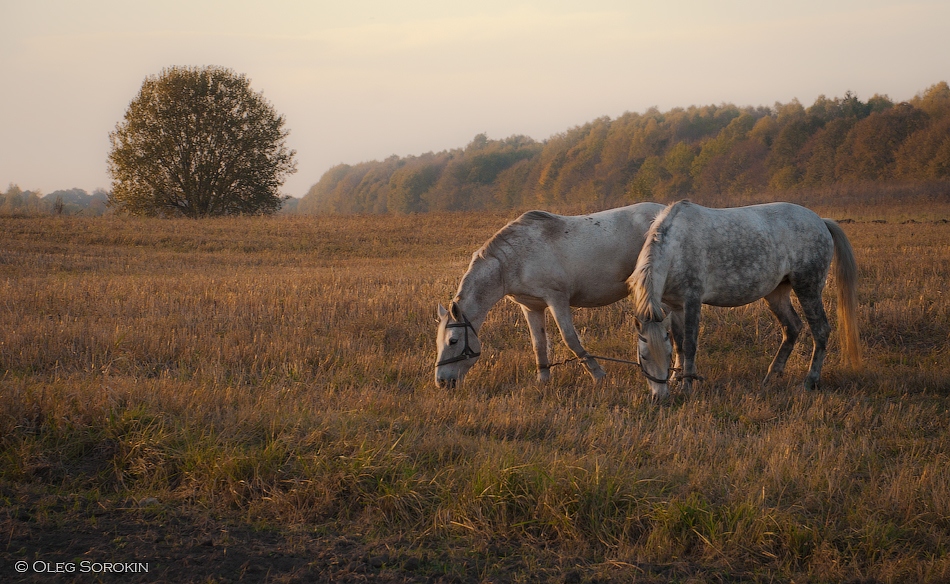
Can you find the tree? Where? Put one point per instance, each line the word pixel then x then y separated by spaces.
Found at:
pixel 926 154
pixel 199 142
pixel 410 182
pixel 869 151
pixel 935 100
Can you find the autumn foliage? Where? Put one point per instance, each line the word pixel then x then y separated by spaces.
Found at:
pixel 199 142
pixel 711 154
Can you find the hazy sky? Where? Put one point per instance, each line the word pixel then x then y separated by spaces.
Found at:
pixel 360 80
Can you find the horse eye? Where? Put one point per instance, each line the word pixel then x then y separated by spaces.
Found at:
pixel 453 341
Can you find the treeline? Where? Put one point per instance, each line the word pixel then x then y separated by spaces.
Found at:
pixel 711 153
pixel 16 201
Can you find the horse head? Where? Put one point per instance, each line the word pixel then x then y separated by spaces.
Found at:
pixel 654 355
pixel 457 346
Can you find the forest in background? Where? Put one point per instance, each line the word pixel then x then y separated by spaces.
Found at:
pixel 16 201
pixel 712 154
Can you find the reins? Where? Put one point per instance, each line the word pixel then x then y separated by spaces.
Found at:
pixel 628 362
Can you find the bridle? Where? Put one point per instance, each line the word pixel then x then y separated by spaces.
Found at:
pixel 692 376
pixel 467 351
pixel 644 371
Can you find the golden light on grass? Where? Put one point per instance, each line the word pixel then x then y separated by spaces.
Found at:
pixel 280 368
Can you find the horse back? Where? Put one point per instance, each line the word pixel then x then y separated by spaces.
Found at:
pixel 739 255
pixel 586 257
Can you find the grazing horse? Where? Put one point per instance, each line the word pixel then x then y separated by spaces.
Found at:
pixel 731 257
pixel 542 261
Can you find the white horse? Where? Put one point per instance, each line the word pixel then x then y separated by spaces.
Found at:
pixel 542 261
pixel 731 257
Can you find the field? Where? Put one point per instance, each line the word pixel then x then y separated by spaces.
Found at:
pixel 251 399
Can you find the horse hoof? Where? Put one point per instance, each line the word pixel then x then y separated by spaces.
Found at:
pixel 773 375
pixel 811 385
pixel 598 376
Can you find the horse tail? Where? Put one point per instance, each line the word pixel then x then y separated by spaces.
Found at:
pixel 846 278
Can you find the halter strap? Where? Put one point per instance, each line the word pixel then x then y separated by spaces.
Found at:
pixel 650 377
pixel 644 371
pixel 467 351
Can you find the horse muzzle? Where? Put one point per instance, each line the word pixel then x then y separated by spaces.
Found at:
pixel 447 382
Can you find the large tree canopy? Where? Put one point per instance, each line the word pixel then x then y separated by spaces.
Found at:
pixel 199 142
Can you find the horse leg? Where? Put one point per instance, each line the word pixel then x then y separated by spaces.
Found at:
pixel 820 329
pixel 691 313
pixel 562 316
pixel 780 303
pixel 676 326
pixel 539 341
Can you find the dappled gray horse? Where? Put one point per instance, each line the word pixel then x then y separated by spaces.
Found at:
pixel 542 261
pixel 731 257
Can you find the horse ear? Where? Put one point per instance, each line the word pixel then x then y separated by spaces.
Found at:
pixel 666 319
pixel 637 324
pixel 455 311
pixel 442 311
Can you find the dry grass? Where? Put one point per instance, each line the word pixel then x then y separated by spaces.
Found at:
pixel 279 370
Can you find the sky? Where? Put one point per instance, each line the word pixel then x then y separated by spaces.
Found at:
pixel 361 80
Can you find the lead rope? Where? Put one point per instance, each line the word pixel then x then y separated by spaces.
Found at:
pixel 589 356
pixel 627 362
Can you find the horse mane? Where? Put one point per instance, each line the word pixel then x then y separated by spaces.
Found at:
pixel 495 252
pixel 647 303
pixel 507 236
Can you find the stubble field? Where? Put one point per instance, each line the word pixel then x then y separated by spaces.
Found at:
pixel 252 400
